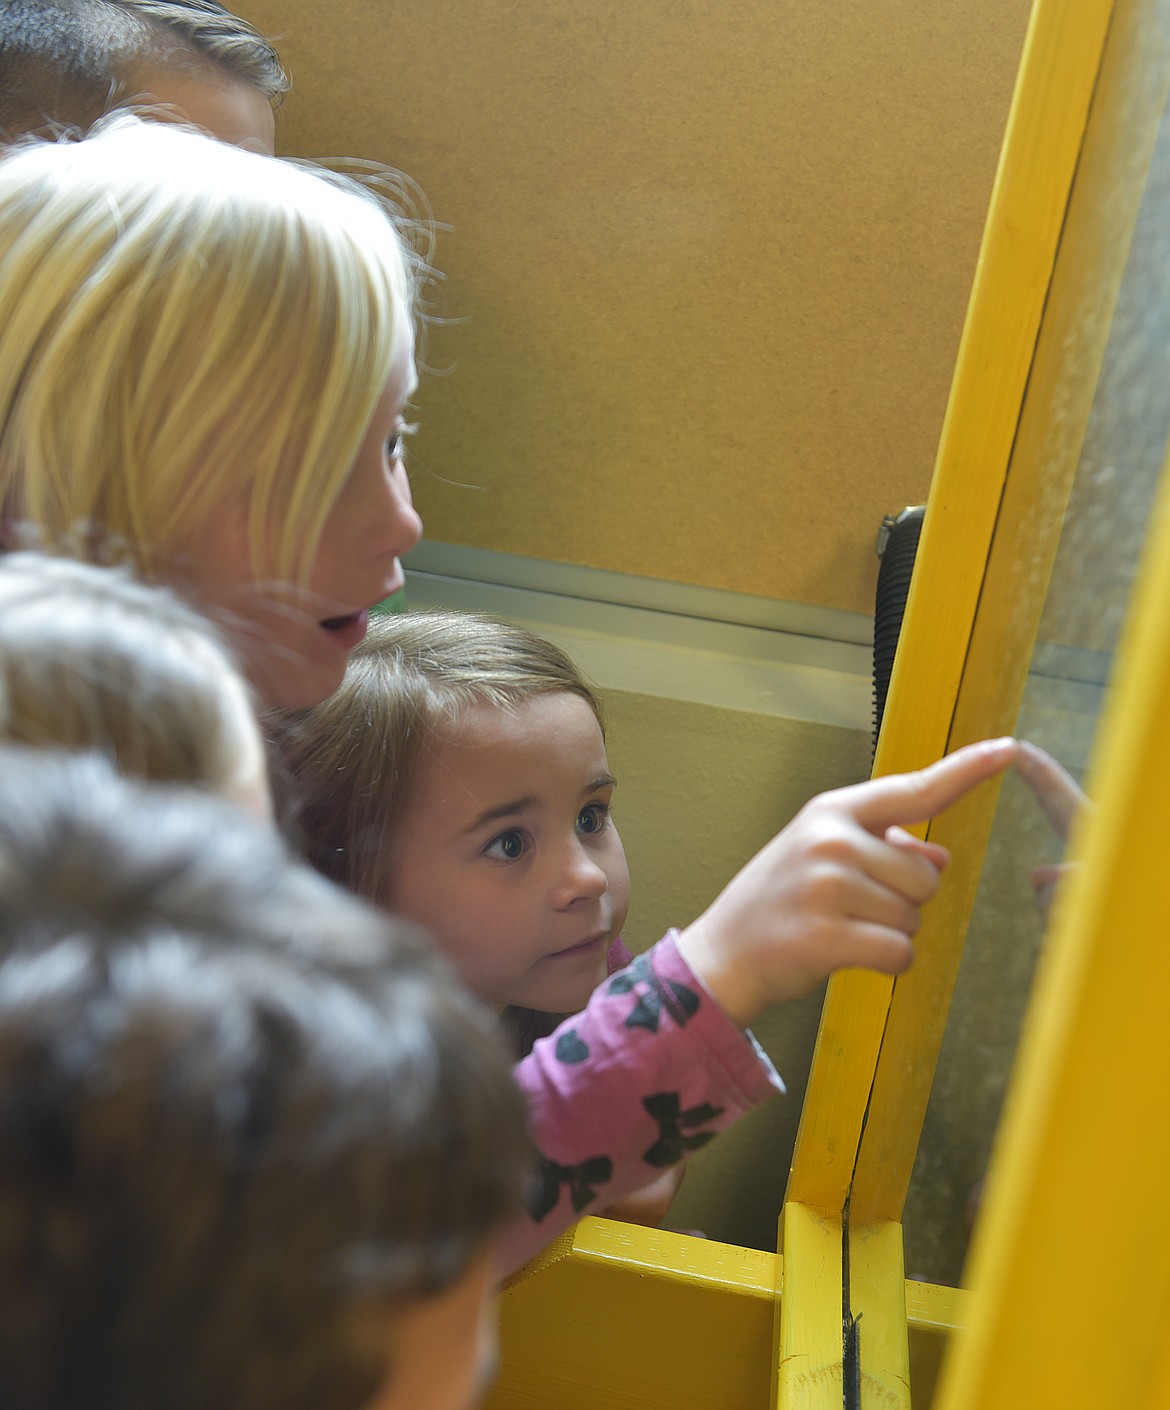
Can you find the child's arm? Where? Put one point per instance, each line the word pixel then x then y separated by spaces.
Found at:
pixel 658 1063
pixel 650 1070
pixel 649 1205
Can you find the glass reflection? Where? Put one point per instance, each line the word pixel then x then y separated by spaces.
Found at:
pixel 1100 548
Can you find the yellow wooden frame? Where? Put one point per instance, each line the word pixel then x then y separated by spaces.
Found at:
pixel 878 1042
pixel 735 1334
pixel 1114 160
pixel 630 1318
pixel 1046 128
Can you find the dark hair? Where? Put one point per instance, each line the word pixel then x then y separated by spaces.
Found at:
pixel 62 62
pixel 238 1108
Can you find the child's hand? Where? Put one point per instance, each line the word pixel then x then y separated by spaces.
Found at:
pixel 650 1204
pixel 840 887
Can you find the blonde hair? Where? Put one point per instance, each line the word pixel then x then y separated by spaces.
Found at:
pixel 91 659
pixel 182 322
pixel 350 761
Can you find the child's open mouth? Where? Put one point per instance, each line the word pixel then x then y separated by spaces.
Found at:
pixel 348 631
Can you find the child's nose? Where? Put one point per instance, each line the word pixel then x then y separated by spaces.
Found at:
pixel 582 878
pixel 400 523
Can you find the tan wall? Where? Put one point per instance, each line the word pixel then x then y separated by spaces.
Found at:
pixel 699 790
pixel 711 263
pixel 712 260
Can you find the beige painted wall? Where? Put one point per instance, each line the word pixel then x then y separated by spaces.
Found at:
pixel 699 791
pixel 710 261
pixel 709 265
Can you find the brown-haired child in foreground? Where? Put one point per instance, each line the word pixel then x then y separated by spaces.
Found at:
pixel 256 1140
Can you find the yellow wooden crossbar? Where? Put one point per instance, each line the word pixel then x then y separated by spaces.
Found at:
pixel 613 1315
pixel 932 1314
pixel 627 1318
pixel 1045 128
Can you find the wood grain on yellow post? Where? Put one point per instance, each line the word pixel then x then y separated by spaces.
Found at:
pixel 1111 177
pixel 877 1299
pixel 1071 1264
pixel 1045 129
pixel 808 1343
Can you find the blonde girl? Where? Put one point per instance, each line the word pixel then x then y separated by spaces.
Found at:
pixel 93 660
pixel 205 356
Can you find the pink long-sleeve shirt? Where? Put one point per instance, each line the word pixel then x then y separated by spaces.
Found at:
pixel 650 1071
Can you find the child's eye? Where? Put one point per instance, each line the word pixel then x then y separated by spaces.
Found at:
pixel 508 847
pixel 593 818
pixel 396 443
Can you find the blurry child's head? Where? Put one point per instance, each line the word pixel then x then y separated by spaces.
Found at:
pixel 256 1139
pixel 63 63
pixel 206 355
pixel 92 659
pixel 459 777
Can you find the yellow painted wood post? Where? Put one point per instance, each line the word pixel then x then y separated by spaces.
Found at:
pixel 808 1347
pixel 1110 182
pixel 1071 1266
pixel 1029 202
pixel 877 1296
pixel 1159 1398
pixel 1045 129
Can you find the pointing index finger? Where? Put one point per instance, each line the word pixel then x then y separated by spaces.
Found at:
pixel 905 799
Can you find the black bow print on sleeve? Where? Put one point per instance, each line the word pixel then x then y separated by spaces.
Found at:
pixel 679 1001
pixel 544 1188
pixel 672 1144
